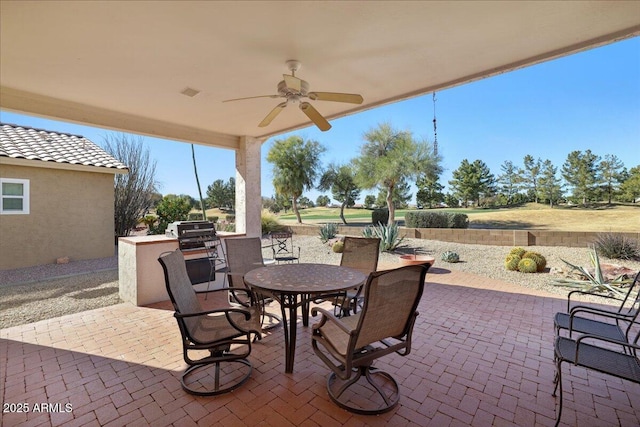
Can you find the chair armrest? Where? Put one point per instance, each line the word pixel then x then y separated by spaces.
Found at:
pixel 625 344
pixel 225 310
pixel 600 312
pixel 326 315
pixel 586 293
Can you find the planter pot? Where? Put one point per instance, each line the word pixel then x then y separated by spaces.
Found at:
pixel 416 259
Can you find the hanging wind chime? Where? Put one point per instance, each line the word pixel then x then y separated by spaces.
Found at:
pixel 435 128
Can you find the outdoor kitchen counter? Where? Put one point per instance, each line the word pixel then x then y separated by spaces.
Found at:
pixel 140 276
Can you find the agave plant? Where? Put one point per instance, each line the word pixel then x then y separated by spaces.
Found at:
pixel 328 231
pixel 389 235
pixel 594 282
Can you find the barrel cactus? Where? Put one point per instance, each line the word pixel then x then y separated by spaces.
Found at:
pixel 338 247
pixel 527 265
pixel 518 251
pixel 540 260
pixel 511 263
pixel 450 256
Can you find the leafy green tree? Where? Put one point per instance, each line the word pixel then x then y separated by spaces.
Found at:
pixel 389 157
pixel 509 180
pixel 296 165
pixel 472 181
pixel 305 202
pixel 222 194
pixel 400 196
pixel 549 184
pixel 369 201
pixel 451 200
pixel 530 175
pixel 340 179
pixel 429 191
pixel 630 187
pixel 323 200
pixel 611 174
pixel 580 171
pixel 171 208
pixel 134 192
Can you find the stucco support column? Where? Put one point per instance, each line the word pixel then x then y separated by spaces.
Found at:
pixel 248 187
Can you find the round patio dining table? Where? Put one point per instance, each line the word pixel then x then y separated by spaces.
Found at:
pixel 293 285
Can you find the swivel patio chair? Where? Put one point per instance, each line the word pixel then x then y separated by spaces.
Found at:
pixel 361 254
pixel 243 255
pixel 350 345
pixel 612 324
pixel 609 356
pixel 217 340
pixel 283 248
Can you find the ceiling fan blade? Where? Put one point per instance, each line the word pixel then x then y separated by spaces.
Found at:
pixel 352 98
pixel 252 97
pixel 272 115
pixel 292 82
pixel 315 117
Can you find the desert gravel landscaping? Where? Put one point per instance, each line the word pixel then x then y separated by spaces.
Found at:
pixel 28 295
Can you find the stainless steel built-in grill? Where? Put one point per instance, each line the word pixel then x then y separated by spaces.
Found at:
pixel 196 237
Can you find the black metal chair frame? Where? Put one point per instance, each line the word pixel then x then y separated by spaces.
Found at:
pixel 219 348
pixel 608 324
pixel 283 247
pixel 586 352
pixel 347 369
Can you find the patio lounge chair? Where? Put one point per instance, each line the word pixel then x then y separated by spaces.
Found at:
pixel 599 354
pixel 612 324
pixel 361 254
pixel 350 345
pixel 210 334
pixel 283 248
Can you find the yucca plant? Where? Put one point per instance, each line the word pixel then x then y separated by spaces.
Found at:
pixel 389 235
pixel 594 282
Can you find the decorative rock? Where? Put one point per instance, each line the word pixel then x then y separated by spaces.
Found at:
pixel 62 260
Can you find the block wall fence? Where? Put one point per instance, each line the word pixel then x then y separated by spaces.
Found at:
pixel 574 239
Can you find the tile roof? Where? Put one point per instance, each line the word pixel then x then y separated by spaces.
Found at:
pixel 22 142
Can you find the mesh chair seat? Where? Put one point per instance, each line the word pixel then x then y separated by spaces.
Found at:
pixel 589 326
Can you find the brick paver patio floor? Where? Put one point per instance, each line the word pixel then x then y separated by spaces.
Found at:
pixel 482 356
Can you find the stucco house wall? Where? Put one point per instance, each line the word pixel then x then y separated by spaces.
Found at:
pixel 71 215
pixel 70 198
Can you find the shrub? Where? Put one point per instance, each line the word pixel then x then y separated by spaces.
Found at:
pixel 540 260
pixel 195 216
pixel 328 231
pixel 213 218
pixel 269 223
pixel 617 246
pixel 338 247
pixel 230 218
pixel 527 265
pixel 511 263
pixel 428 219
pixel 380 216
pixel 389 236
pixel 450 256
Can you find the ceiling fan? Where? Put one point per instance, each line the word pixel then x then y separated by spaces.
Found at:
pixel 294 90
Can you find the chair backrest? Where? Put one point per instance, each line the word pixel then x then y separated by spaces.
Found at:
pixel 390 302
pixel 243 255
pixel 361 254
pixel 181 292
pixel 281 243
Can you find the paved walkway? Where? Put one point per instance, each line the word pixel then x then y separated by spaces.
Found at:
pixel 481 356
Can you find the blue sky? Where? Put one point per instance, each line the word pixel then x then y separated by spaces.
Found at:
pixel 590 100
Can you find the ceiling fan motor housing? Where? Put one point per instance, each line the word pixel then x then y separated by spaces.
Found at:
pixel 284 90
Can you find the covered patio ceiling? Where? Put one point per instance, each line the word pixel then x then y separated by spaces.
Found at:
pixel 124 65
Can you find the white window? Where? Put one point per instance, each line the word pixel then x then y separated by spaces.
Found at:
pixel 15 196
